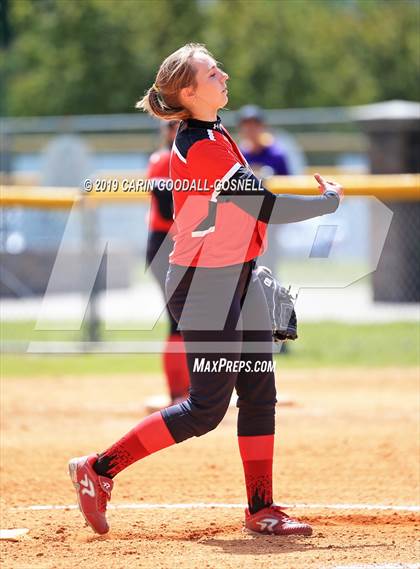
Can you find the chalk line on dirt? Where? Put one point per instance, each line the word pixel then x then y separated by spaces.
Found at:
pixel 13 534
pixel 204 505
pixel 380 566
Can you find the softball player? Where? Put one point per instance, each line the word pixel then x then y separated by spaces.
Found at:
pixel 159 247
pixel 221 216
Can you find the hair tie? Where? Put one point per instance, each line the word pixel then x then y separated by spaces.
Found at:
pixel 155 87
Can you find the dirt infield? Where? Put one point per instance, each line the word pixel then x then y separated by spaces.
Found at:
pixel 350 440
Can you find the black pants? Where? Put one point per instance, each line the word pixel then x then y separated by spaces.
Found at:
pixel 223 316
pixel 157 253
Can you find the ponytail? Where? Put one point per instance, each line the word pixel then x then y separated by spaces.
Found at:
pixel 154 104
pixel 176 72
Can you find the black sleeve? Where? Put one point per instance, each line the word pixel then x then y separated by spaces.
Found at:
pixel 247 192
pixel 163 196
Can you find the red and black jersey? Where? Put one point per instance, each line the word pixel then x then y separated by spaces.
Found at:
pixel 161 207
pixel 221 208
pixel 208 233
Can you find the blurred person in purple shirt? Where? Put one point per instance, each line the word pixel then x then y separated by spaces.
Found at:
pixel 262 151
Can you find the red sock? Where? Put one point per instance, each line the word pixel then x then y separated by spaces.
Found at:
pixel 149 436
pixel 257 457
pixel 176 367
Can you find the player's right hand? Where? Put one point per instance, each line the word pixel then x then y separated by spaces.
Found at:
pixel 329 186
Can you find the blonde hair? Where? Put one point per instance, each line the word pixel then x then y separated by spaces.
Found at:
pixel 176 72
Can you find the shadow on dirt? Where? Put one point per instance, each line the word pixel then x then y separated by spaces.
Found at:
pixel 262 545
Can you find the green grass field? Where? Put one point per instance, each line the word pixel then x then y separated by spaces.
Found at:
pixel 325 344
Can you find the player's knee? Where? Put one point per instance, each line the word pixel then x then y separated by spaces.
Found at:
pixel 252 406
pixel 260 400
pixel 202 416
pixel 206 422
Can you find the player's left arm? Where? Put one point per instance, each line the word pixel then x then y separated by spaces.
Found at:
pixel 247 192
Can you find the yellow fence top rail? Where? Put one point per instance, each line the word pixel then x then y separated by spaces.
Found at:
pixel 41 197
pixel 385 187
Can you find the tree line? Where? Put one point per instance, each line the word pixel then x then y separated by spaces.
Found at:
pixel 98 56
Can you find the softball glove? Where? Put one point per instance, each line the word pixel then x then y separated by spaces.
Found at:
pixel 280 305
